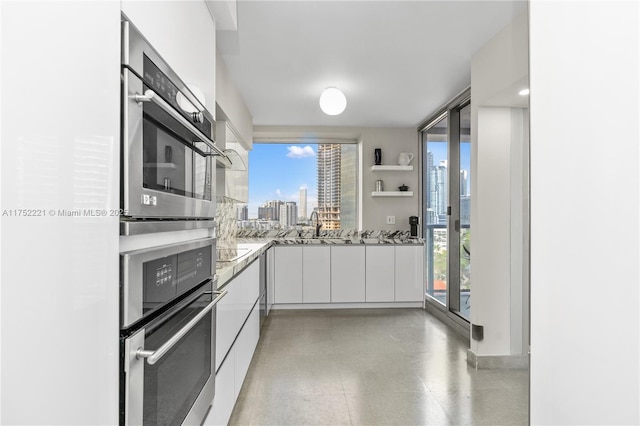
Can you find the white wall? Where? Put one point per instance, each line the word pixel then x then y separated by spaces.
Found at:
pixel 392 141
pixel 499 183
pixel 584 213
pixel 60 150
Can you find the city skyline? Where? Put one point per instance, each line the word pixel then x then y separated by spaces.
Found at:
pixel 268 181
pixel 437 177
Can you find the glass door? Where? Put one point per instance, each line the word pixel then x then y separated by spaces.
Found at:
pixel 447 208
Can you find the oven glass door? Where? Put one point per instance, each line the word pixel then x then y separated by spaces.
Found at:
pixel 172 162
pixel 172 385
pixel 181 380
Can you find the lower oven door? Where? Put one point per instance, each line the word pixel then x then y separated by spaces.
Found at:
pixel 169 364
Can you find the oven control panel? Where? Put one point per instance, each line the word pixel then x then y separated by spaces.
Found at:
pixel 171 276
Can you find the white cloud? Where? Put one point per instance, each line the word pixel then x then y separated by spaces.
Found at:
pixel 300 152
pixel 278 193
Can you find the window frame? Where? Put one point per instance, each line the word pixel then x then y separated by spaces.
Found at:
pixel 451 111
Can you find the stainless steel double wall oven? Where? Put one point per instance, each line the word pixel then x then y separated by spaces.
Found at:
pixel 168 293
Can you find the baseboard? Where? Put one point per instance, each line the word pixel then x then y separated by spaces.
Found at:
pixel 491 362
pixel 363 305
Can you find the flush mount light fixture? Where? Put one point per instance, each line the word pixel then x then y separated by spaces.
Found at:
pixel 332 101
pixel 523 92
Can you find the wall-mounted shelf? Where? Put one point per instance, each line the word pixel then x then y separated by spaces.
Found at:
pixel 392 194
pixel 391 168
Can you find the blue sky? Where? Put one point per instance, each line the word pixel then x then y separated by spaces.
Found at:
pixel 277 171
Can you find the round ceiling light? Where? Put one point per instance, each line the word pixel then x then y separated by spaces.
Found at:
pixel 332 101
pixel 523 92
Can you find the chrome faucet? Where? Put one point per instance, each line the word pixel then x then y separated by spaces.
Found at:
pixel 318 225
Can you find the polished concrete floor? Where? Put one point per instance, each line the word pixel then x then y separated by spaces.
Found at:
pixel 372 367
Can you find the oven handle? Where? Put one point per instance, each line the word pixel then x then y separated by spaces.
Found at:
pixel 154 356
pixel 150 96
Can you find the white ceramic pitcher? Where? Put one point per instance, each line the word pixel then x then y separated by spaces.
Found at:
pixel 404 158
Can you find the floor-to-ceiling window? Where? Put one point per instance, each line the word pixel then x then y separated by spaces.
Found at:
pixel 446 152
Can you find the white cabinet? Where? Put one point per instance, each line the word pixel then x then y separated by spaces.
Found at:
pixel 288 274
pixel 232 182
pixel 271 279
pixel 409 273
pixel 244 347
pixel 224 399
pixel 347 274
pixel 235 307
pixel 380 275
pixel 316 274
pixel 236 341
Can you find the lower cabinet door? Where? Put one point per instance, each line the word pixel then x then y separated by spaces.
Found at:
pixel 380 273
pixel 316 274
pixel 244 347
pixel 225 397
pixel 288 275
pixel 409 271
pixel 347 274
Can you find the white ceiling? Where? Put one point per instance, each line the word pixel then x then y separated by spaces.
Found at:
pixel 396 61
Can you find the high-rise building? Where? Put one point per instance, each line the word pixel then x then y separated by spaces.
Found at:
pixel 436 193
pixel 288 214
pixel 440 183
pixel 329 156
pixel 303 202
pixel 464 183
pixel 270 210
pixel 465 210
pixel 243 212
pixel 348 167
pixel 430 189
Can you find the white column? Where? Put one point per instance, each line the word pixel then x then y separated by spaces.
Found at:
pixel 60 159
pixel 584 212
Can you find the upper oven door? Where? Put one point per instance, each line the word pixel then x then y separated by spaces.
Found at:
pixel 167 165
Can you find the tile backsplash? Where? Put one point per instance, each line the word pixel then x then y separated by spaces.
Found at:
pixel 226 218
